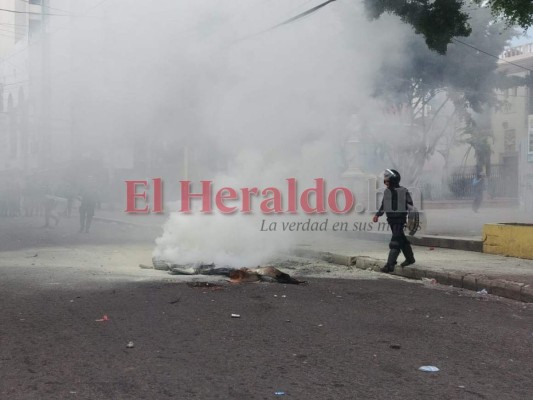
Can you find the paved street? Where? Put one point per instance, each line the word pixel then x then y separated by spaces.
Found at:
pixel 363 337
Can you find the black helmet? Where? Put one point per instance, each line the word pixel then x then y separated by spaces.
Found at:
pixel 392 176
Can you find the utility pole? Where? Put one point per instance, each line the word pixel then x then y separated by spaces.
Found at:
pixel 46 90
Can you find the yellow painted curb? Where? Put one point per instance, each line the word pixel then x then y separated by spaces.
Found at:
pixel 512 239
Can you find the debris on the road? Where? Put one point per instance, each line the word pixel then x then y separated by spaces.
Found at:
pixel 235 315
pixel 104 318
pixel 279 393
pixel 160 265
pixel 395 346
pixel 431 281
pixel 204 285
pixel 264 274
pixel 432 248
pixel 428 368
pixel 130 345
pixel 237 275
pixel 483 291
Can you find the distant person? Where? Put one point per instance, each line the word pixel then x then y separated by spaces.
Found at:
pixel 478 188
pixel 89 198
pixel 396 203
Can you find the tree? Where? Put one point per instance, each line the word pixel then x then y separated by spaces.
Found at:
pixel 433 95
pixel 513 12
pixel 439 21
pixel 478 140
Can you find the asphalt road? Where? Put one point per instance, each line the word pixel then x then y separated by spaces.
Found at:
pixel 360 338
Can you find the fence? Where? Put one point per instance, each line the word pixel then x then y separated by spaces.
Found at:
pixel 502 182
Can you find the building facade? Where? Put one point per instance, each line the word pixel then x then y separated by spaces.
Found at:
pixel 512 124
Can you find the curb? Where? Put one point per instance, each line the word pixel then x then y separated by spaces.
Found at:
pixel 475 282
pixel 446 242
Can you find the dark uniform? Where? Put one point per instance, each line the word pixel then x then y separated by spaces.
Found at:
pixel 89 198
pixel 396 203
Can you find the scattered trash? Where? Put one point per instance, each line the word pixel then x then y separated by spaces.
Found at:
pixel 275 295
pixel 130 345
pixel 428 368
pixel 461 386
pixel 395 346
pixel 432 248
pixel 279 393
pixel 483 291
pixel 235 315
pixel 209 285
pixel 430 281
pixel 283 296
pixel 104 318
pixel 241 275
pixel 287 320
pixel 160 265
pixel 320 325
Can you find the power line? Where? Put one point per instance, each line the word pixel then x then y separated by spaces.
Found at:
pixel 303 14
pixel 40 38
pixel 45 6
pixel 290 20
pixel 15 25
pixel 15 83
pixel 491 55
pixel 33 13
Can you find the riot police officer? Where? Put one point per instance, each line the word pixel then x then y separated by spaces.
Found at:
pixel 396 203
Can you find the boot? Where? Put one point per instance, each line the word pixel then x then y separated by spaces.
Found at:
pixel 408 253
pixel 391 261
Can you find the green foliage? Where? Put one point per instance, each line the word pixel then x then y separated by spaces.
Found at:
pixel 439 21
pixel 437 93
pixel 470 75
pixel 513 12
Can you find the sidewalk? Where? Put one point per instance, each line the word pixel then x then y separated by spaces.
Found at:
pixel 502 276
pixel 467 268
